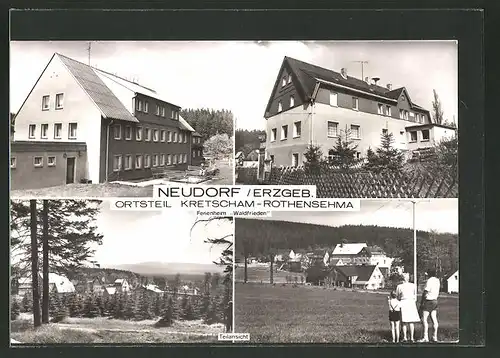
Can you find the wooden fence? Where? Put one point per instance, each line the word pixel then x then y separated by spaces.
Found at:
pixel 333 183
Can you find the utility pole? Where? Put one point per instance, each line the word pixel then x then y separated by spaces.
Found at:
pixel 362 68
pixel 89 48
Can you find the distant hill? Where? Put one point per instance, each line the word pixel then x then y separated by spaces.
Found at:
pixel 168 269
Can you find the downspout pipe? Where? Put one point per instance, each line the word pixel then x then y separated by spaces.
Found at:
pixel 107 150
pixel 313 101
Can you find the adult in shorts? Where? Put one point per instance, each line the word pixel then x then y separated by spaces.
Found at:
pixel 405 292
pixel 429 305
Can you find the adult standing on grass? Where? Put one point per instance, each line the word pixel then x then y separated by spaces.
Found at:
pixel 405 292
pixel 429 305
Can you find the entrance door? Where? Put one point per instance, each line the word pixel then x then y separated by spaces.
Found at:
pixel 70 170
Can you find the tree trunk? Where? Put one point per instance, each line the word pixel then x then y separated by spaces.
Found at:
pixel 34 265
pixel 245 278
pixel 45 265
pixel 271 278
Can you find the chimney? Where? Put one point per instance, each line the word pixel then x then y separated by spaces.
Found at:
pixel 343 72
pixel 375 80
pixel 389 86
pixel 367 80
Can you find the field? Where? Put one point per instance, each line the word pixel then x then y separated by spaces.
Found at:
pixel 104 330
pixel 260 274
pixel 310 314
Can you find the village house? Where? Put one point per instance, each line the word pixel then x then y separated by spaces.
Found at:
pixel 80 124
pixel 452 283
pixel 150 289
pixel 360 254
pixel 368 277
pixel 311 104
pixel 57 283
pixel 121 285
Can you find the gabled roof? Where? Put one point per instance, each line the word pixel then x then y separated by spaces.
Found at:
pixel 362 272
pixel 306 76
pixel 110 289
pixel 120 281
pixel 109 105
pixel 348 249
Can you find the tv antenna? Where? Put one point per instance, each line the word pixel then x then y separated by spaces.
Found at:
pixel 362 67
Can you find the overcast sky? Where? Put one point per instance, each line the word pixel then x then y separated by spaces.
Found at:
pixel 240 75
pixel 437 214
pixel 141 236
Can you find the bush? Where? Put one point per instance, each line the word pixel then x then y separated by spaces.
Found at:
pixel 15 309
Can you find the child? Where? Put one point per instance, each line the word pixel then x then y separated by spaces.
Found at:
pixel 394 316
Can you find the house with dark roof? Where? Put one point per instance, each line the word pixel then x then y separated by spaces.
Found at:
pixel 312 104
pixel 82 124
pixel 368 277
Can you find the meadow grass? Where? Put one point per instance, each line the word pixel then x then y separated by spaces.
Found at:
pixel 309 314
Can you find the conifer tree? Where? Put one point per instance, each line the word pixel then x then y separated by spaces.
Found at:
pixel 27 303
pixel 344 152
pixel 90 309
pixel 75 305
pixel 14 309
pixel 210 316
pixel 167 317
pixel 386 157
pixel 157 305
pixel 314 159
pixel 128 302
pixel 61 311
pixel 143 307
pixel 204 305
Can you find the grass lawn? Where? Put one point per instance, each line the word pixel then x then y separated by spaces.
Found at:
pixel 260 274
pixel 310 314
pixel 104 330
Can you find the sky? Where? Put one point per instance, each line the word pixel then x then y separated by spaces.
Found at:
pixel 240 75
pixel 440 215
pixel 145 236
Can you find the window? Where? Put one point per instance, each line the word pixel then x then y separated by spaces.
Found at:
pixel 401 114
pixel 422 117
pixel 284 132
pixel 333 99
pixel 138 105
pixel 332 129
pixel 413 136
pixel 155 135
pixel 289 78
pixel 163 135
pixel 155 160
pixel 355 103
pixel 72 130
pixel 57 130
pixel 273 134
pixel 162 111
pixel 148 134
pixel 44 131
pixel 180 137
pixel 297 129
pixel 45 103
pixel 38 162
pixel 146 107
pixel 280 108
pixel 138 134
pixel 31 130
pixel 147 161
pixel 174 159
pixel 380 108
pixel 162 160
pixel 425 134
pixel 283 82
pixel 175 137
pixel 292 101
pixel 59 100
pixel 169 136
pixel 128 133
pixel 185 138
pixel 128 162
pixel 117 131
pixel 51 161
pixel 406 114
pixel 169 159
pixel 13 162
pixel 138 161
pixel 157 110
pixel 388 110
pixel 295 159
pixel 355 132
pixel 117 163
pixel 194 153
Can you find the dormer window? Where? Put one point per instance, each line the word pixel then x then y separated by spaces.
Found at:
pixel 280 107
pixel 162 111
pixel 289 78
pixel 283 82
pixel 380 109
pixel 157 110
pixel 292 102
pixel 138 105
pixel 146 107
pixel 355 103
